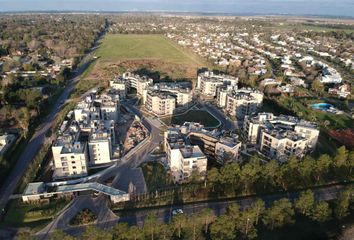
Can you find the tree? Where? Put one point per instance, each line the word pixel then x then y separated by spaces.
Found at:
pixel 317 87
pixel 321 212
pixel 60 235
pixel 135 233
pixel 151 225
pixel 223 228
pixel 165 232
pixel 229 175
pixel 322 167
pixel 270 174
pixel 346 198
pixel 23 120
pixel 207 216
pixel 233 211
pixel 304 204
pixel 179 222
pixel 246 222
pixel 341 157
pixel 258 207
pixel 280 214
pixel 94 233
pixel 250 173
pixel 194 225
pixel 306 166
pixel 213 178
pixel 120 231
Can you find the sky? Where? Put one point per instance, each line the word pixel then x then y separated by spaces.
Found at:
pixel 295 7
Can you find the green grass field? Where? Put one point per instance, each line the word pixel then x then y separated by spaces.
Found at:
pixel 155 55
pixel 33 216
pixel 117 47
pixel 199 116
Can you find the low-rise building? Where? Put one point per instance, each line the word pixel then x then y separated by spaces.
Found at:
pixel 220 146
pixel 160 103
pixel 279 137
pixel 140 83
pixel 119 85
pixel 100 147
pixel 182 157
pixel 70 157
pixel 208 83
pixel 242 102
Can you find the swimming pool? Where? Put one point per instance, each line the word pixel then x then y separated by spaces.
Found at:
pixel 322 106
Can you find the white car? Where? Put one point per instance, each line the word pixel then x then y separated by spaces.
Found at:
pixel 177 211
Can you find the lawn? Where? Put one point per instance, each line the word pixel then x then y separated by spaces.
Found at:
pixel 131 52
pixel 132 46
pixel 155 176
pixel 32 215
pixel 199 116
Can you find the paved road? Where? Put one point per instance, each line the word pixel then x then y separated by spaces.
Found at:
pixel 164 213
pixel 227 124
pixel 38 137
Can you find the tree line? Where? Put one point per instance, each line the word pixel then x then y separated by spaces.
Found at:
pixel 235 223
pixel 256 176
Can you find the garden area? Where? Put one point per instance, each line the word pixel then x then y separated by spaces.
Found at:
pixel 34 215
pixel 85 216
pixel 195 115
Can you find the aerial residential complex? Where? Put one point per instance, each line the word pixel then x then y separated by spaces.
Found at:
pixel 160 99
pixel 279 137
pixel 87 137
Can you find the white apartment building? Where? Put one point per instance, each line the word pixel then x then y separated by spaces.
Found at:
pixel 243 102
pixel 183 158
pixel 227 149
pixel 70 157
pixel 252 126
pixel 223 147
pixel 281 144
pixel 160 103
pixel 208 83
pixel 119 86
pixel 100 147
pixel 137 82
pixel 279 137
pixel 182 93
pixel 108 105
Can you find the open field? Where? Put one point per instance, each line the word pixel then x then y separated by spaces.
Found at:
pixel 118 53
pixel 200 116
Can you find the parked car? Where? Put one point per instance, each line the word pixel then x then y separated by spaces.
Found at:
pixel 177 211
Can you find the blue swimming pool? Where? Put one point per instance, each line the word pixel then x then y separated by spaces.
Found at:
pixel 322 106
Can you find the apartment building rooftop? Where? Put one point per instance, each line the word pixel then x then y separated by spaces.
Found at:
pixel 191 152
pixel 281 133
pixel 161 94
